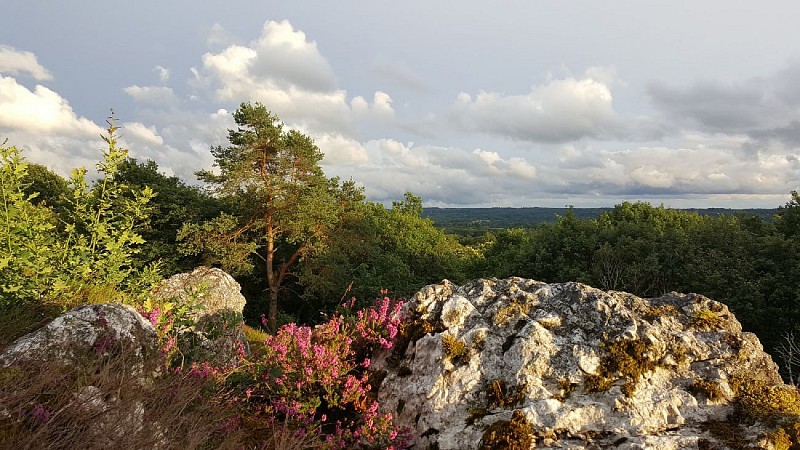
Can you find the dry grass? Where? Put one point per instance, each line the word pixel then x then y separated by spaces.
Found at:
pixel 104 404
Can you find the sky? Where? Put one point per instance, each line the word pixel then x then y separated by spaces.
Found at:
pixel 469 103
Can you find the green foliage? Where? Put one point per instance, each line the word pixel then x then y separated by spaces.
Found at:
pixel 284 207
pixel 174 204
pixel 47 186
pixel 378 248
pixel 27 235
pixel 82 255
pixel 219 242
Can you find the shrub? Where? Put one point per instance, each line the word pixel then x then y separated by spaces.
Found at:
pixel 82 255
pixel 318 379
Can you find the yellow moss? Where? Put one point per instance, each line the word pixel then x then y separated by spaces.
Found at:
pixel 476 414
pixel 780 439
pixel 597 383
pixel 772 403
pixel 452 315
pixel 708 389
pixel 411 330
pixel 706 320
pixel 679 352
pixel 654 312
pixel 514 434
pixel 627 359
pixel 517 306
pixel 454 349
pixel 499 395
pixel 566 389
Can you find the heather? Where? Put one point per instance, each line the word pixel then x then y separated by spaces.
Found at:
pixel 305 387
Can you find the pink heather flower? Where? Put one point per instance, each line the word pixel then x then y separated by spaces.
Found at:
pixel 264 320
pixel 40 413
pixel 366 363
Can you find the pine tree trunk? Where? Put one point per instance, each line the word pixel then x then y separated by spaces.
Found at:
pixel 272 282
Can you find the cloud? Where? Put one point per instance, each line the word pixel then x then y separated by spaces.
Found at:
pixel 139 132
pixel 43 124
pixel 557 111
pixel 39 111
pixel 765 109
pixel 163 73
pixel 340 150
pixel 286 72
pixel 15 62
pixel 156 95
pixel 442 175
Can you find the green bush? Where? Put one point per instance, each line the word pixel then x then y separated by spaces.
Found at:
pixel 82 255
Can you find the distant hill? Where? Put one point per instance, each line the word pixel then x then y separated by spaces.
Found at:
pixel 476 221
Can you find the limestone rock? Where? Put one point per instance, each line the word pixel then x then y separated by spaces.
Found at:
pixel 214 289
pixel 86 330
pixel 216 309
pixel 570 366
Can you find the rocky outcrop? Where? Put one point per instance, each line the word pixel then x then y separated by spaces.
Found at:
pixel 212 288
pixel 518 363
pixel 92 330
pixel 215 304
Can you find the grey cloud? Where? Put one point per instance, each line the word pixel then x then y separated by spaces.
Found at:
pixel 766 109
pixel 711 106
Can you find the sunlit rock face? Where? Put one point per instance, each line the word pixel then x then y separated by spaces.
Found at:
pixel 210 287
pixel 519 362
pixel 215 304
pixel 87 330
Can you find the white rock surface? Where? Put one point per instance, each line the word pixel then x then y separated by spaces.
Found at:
pixel 217 305
pixel 550 340
pixel 210 287
pixel 86 329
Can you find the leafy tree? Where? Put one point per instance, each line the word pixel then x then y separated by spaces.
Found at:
pixel 379 248
pixel 284 206
pixel 787 221
pixel 173 204
pixel 83 254
pixel 49 187
pixel 27 233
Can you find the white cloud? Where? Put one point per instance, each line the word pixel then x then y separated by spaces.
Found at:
pixel 156 95
pixel 286 72
pixel 139 132
pixel 557 111
pixel 340 150
pixel 15 62
pixel 43 124
pixel 39 111
pixel 163 73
